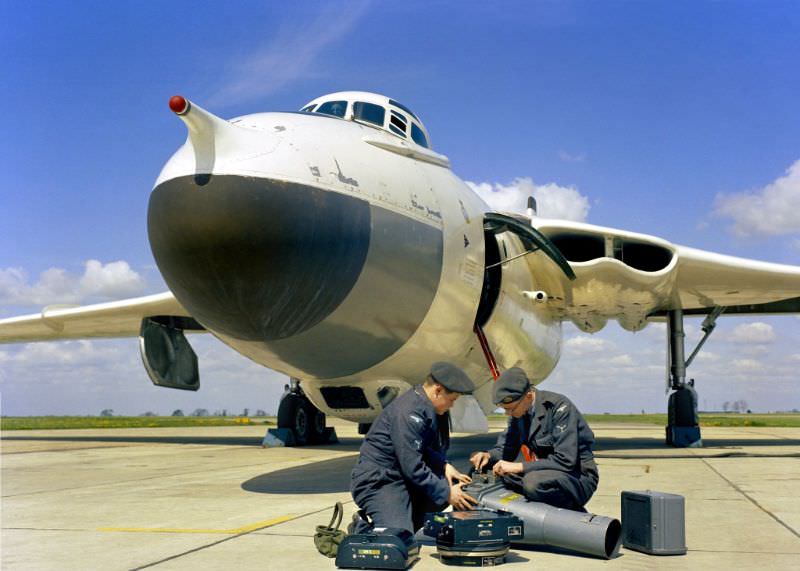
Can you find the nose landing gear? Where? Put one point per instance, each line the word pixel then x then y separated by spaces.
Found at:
pixel 299 421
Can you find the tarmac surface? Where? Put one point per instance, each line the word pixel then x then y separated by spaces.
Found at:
pixel 212 498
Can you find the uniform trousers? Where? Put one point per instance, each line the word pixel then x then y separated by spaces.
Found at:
pixel 388 501
pixel 556 488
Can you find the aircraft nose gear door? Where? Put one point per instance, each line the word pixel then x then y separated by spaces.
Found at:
pixel 299 421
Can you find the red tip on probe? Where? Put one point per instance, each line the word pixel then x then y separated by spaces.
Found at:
pixel 178 104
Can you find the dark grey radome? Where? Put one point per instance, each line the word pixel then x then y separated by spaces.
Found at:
pixel 324 281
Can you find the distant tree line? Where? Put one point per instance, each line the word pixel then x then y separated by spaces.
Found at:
pixel 735 406
pixel 106 412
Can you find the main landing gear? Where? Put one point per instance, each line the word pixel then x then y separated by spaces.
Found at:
pixel 299 421
pixel 683 426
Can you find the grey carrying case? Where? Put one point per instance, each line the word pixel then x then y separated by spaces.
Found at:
pixel 653 522
pixel 328 537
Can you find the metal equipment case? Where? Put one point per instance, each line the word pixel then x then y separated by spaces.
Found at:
pixel 474 526
pixel 385 548
pixel 476 538
pixel 653 522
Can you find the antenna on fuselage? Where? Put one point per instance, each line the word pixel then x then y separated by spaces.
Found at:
pixel 531 212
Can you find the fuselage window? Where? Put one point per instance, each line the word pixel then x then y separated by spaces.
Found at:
pixel 307 109
pixel 418 136
pixel 369 112
pixel 335 108
pixel 398 123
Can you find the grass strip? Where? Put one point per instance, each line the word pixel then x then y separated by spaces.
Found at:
pixel 67 422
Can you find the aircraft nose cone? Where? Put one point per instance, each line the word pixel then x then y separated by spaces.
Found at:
pixel 257 259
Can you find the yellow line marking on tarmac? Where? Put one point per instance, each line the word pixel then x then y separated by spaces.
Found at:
pixel 235 531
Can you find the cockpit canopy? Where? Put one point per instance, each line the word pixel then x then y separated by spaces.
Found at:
pixel 374 110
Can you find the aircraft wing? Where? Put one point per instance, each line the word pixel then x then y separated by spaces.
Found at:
pixel 740 285
pixel 113 319
pixel 635 278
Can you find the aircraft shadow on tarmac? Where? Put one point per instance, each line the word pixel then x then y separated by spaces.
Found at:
pixel 323 477
pixel 330 476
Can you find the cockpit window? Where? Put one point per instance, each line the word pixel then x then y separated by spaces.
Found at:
pixel 369 112
pixel 335 108
pixel 307 109
pixel 397 123
pixel 403 107
pixel 418 136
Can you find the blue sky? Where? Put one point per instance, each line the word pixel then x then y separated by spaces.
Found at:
pixel 675 119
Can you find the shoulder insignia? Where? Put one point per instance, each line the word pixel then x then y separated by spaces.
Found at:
pixel 415 418
pixel 561 427
pixel 562 408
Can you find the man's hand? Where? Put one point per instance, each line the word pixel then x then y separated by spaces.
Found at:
pixel 503 468
pixel 452 474
pixel 459 499
pixel 479 460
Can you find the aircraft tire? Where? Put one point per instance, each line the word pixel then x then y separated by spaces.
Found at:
pixel 294 413
pixel 316 424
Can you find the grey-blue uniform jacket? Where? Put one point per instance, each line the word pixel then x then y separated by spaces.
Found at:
pixel 555 430
pixel 403 445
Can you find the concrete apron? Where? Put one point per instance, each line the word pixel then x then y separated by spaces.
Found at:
pixel 212 498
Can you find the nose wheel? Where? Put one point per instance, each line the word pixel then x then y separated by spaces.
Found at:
pixel 300 422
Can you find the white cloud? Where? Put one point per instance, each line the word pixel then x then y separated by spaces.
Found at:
pixel 55 285
pixel 553 201
pixel 655 330
pixel 756 332
pixel 73 353
pixel 770 211
pixel 622 360
pixel 291 55
pixel 582 345
pixel 115 279
pixel 747 365
pixel 724 371
pixel 658 331
pixel 708 356
pixel 752 350
pixel 85 377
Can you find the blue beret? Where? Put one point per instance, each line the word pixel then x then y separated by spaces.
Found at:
pixel 511 385
pixel 452 378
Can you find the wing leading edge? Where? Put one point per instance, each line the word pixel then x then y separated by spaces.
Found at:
pixel 113 319
pixel 635 278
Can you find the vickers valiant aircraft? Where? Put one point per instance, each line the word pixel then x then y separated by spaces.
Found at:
pixel 336 246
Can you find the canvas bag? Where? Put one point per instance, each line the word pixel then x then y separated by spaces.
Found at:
pixel 328 537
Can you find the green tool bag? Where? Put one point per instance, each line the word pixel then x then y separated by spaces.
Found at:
pixel 328 537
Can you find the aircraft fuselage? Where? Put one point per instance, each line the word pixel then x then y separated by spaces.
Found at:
pixel 328 250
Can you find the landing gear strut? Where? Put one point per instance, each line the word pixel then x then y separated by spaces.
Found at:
pixel 299 421
pixel 683 426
